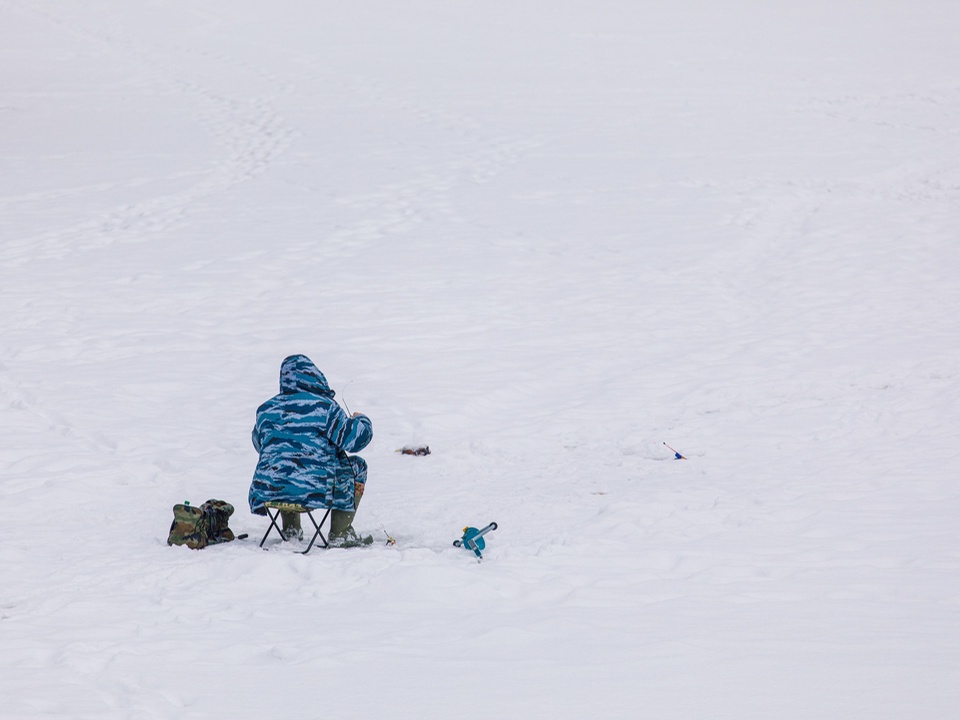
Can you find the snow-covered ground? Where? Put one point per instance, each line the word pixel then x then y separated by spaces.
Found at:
pixel 543 238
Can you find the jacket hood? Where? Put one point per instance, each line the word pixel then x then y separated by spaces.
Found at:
pixel 299 374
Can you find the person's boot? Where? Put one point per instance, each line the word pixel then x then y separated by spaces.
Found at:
pixel 291 525
pixel 342 533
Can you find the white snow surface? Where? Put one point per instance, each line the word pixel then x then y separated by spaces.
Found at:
pixel 543 238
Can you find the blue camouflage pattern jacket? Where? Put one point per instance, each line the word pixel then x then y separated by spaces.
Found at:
pixel 303 438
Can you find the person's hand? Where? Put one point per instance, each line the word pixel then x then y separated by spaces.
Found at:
pixel 355 414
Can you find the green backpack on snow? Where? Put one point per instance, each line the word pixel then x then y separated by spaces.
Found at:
pixel 197 527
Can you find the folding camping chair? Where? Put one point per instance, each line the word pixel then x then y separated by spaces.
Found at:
pixel 279 507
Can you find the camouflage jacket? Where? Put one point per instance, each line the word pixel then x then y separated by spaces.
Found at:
pixel 304 438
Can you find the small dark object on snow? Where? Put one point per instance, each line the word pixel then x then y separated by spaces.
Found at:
pixel 422 450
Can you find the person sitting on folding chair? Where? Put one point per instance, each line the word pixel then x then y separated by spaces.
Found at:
pixel 304 437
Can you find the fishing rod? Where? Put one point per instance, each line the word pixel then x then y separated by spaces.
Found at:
pixel 676 455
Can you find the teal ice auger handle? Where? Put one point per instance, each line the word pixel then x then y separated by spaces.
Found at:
pixel 473 539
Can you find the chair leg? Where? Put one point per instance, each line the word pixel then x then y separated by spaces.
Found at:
pixel 273 524
pixel 317 532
